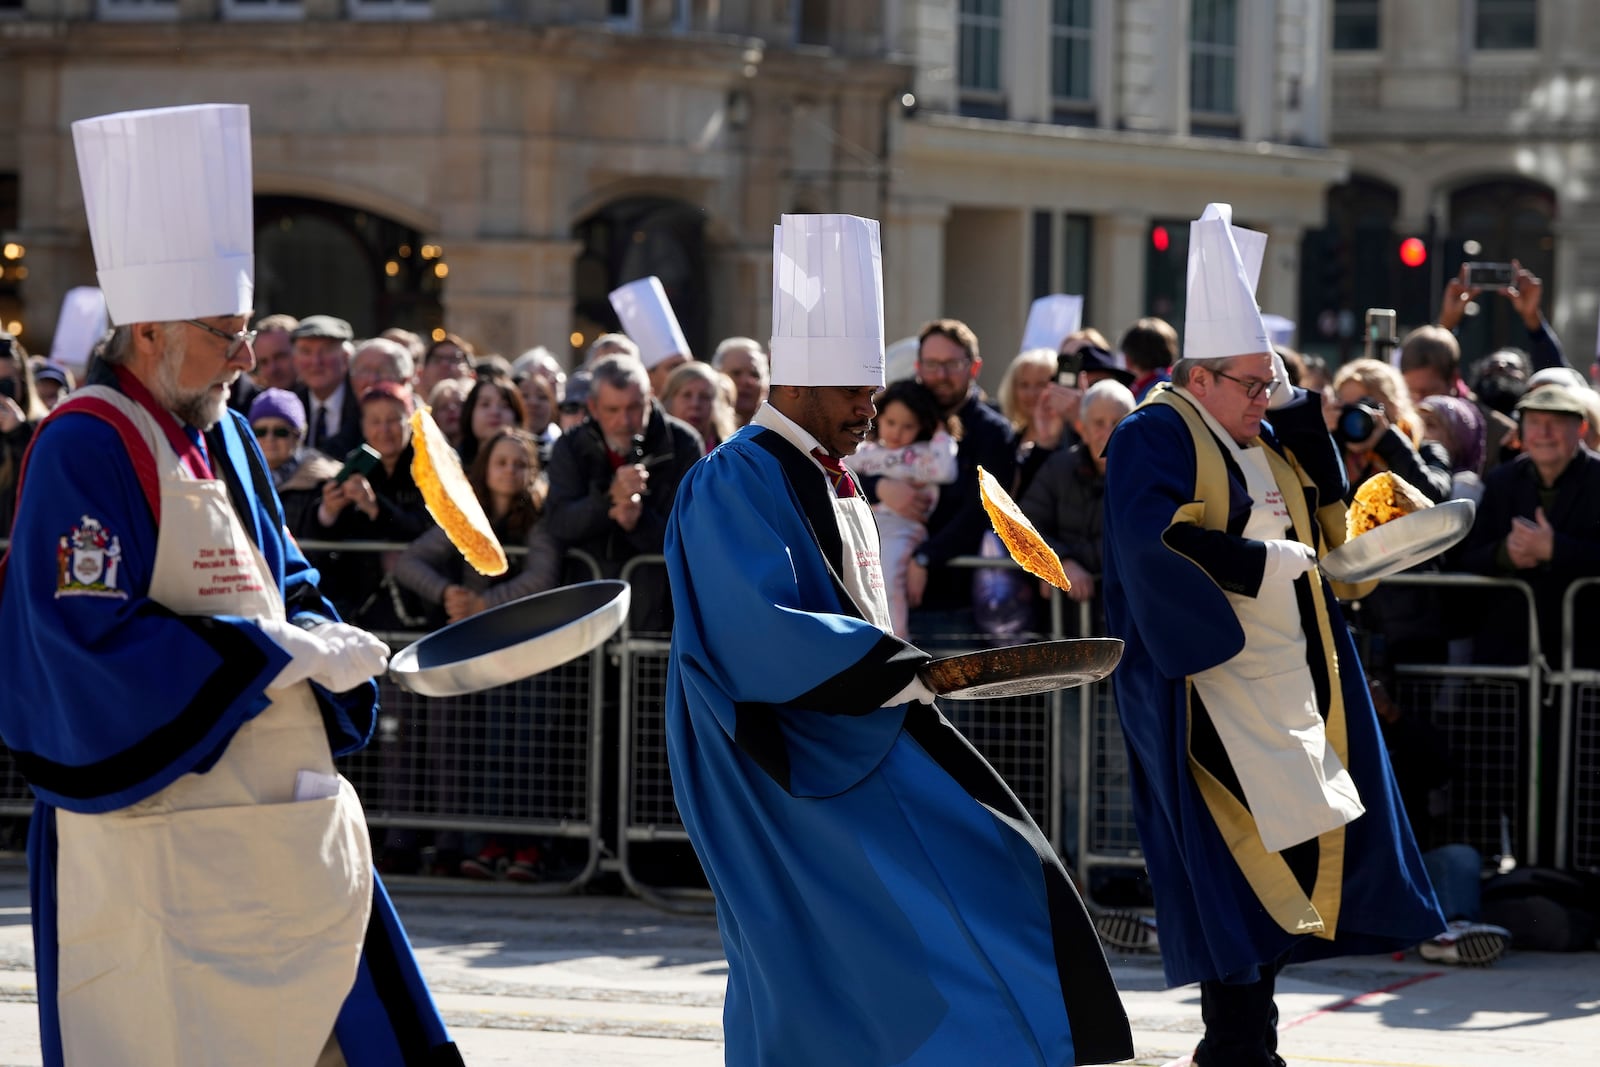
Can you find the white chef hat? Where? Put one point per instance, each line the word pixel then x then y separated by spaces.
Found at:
pixel 647 317
pixel 79 327
pixel 827 301
pixel 1220 317
pixel 168 196
pixel 1051 320
pixel 1280 329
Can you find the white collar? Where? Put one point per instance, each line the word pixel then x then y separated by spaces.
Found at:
pixel 770 418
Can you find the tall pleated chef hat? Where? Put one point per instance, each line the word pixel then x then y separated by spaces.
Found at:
pixel 168 196
pixel 1221 318
pixel 647 317
pixel 1051 320
pixel 827 301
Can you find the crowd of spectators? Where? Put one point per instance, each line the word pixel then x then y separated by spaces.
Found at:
pixel 589 461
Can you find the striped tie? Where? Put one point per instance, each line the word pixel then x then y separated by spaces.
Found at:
pixel 844 486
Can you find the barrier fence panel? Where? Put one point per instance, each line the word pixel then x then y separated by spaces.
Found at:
pixel 1018 735
pixel 1483 713
pixel 1578 788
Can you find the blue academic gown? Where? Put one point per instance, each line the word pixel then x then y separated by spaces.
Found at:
pixel 109 699
pixel 1164 582
pixel 882 897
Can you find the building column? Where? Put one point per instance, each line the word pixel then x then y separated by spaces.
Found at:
pixel 1575 311
pixel 507 296
pixel 1119 263
pixel 913 265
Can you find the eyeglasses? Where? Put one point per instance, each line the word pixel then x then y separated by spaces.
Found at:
pixel 939 368
pixel 236 341
pixel 1253 387
pixel 280 432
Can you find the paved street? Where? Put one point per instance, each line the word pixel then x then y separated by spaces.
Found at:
pixel 604 981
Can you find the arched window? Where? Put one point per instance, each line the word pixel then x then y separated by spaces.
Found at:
pixel 635 238
pixel 315 257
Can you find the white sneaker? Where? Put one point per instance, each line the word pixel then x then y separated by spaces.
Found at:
pixel 1467 943
pixel 1127 930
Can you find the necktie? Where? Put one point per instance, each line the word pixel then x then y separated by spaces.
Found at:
pixel 844 486
pixel 319 426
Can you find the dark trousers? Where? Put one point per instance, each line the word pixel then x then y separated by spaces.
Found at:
pixel 1241 1023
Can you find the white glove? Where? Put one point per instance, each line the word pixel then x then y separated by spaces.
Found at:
pixel 917 690
pixel 308 653
pixel 355 656
pixel 1288 560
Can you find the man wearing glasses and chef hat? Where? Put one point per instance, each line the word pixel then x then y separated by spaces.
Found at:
pixel 176 686
pixel 1267 813
pixel 882 895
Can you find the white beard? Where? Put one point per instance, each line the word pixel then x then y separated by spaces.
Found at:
pixel 201 408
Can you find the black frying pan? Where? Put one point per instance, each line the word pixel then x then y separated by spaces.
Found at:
pixel 1020 670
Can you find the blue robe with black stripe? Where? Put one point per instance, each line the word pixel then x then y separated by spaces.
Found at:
pixel 883 897
pixel 109 700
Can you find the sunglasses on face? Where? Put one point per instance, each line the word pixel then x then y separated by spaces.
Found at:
pixel 280 432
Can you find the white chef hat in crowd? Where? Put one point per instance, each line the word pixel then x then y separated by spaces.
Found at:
pixel 827 301
pixel 647 317
pixel 1280 329
pixel 169 200
pixel 79 326
pixel 1051 320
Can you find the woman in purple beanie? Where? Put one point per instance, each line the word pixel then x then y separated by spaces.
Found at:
pixel 279 420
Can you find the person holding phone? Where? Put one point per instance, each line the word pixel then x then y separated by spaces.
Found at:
pixel 1522 289
pixel 373 498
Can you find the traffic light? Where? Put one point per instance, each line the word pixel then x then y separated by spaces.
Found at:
pixel 1413 252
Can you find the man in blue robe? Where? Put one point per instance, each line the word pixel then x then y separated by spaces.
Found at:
pixel 176 686
pixel 1267 811
pixel 883 897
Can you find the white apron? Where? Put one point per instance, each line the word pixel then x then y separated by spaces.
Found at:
pixel 863 570
pixel 221 920
pixel 1263 700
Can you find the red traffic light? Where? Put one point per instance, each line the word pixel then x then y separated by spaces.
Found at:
pixel 1160 239
pixel 1413 253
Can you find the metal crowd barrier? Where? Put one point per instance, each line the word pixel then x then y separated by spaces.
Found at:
pixel 1485 715
pixel 1021 736
pixel 1578 782
pixel 529 759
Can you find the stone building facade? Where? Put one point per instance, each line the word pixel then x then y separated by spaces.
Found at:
pixel 490 167
pixel 1469 124
pixel 495 166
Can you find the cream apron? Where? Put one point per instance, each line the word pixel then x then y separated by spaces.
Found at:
pixel 221 920
pixel 1263 700
pixel 863 570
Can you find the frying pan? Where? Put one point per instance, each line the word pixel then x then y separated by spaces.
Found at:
pixel 1020 670
pixel 512 641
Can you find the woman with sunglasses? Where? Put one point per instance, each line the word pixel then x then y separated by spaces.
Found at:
pixel 278 419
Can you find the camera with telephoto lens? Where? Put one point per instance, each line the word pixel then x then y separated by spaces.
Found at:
pixel 1356 423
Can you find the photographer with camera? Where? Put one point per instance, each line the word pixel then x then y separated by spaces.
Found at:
pixel 1378 430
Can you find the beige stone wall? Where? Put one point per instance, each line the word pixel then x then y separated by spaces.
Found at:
pixel 493 139
pixel 1428 113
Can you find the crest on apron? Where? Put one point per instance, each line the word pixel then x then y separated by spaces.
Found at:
pixel 87 560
